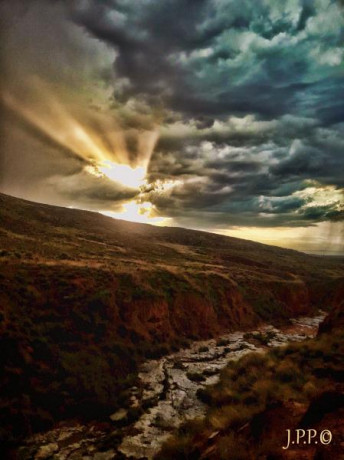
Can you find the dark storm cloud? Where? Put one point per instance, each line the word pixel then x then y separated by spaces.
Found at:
pixel 239 132
pixel 319 157
pixel 323 213
pixel 261 180
pixel 207 57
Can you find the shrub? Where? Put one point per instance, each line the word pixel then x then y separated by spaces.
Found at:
pixel 231 416
pixel 286 372
pixel 204 395
pixel 232 447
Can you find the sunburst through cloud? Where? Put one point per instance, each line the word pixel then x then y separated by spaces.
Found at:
pixel 224 124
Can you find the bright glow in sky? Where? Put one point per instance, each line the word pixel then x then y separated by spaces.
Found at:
pixel 322 238
pixel 124 174
pixel 138 212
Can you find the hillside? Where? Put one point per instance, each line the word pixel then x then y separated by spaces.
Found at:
pixel 84 298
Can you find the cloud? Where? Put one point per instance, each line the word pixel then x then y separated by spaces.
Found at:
pixel 250 172
pixel 223 56
pixel 234 107
pixel 58 116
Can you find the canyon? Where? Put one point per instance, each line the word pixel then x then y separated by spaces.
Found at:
pixel 86 300
pixel 168 390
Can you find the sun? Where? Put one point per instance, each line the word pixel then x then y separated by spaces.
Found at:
pixel 124 174
pixel 138 209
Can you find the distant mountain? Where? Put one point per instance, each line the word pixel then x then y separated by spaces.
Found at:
pixel 85 297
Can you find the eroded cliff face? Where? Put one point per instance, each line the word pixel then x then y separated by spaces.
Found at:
pixel 91 305
pixel 193 308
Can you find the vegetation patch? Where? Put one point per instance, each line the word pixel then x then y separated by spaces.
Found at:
pixel 252 387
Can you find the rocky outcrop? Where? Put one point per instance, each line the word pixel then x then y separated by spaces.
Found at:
pixel 259 404
pixel 169 392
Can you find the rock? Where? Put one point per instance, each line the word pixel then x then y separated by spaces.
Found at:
pixel 134 402
pixel 210 372
pixel 160 421
pixel 187 403
pixel 119 416
pixel 109 455
pixel 46 451
pixel 179 365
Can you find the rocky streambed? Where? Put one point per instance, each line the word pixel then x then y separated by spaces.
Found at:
pixel 167 395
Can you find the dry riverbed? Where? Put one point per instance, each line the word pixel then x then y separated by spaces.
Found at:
pixel 167 395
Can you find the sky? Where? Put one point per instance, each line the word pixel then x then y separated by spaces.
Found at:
pixel 219 115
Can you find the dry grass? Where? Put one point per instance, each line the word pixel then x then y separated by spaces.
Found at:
pixel 249 387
